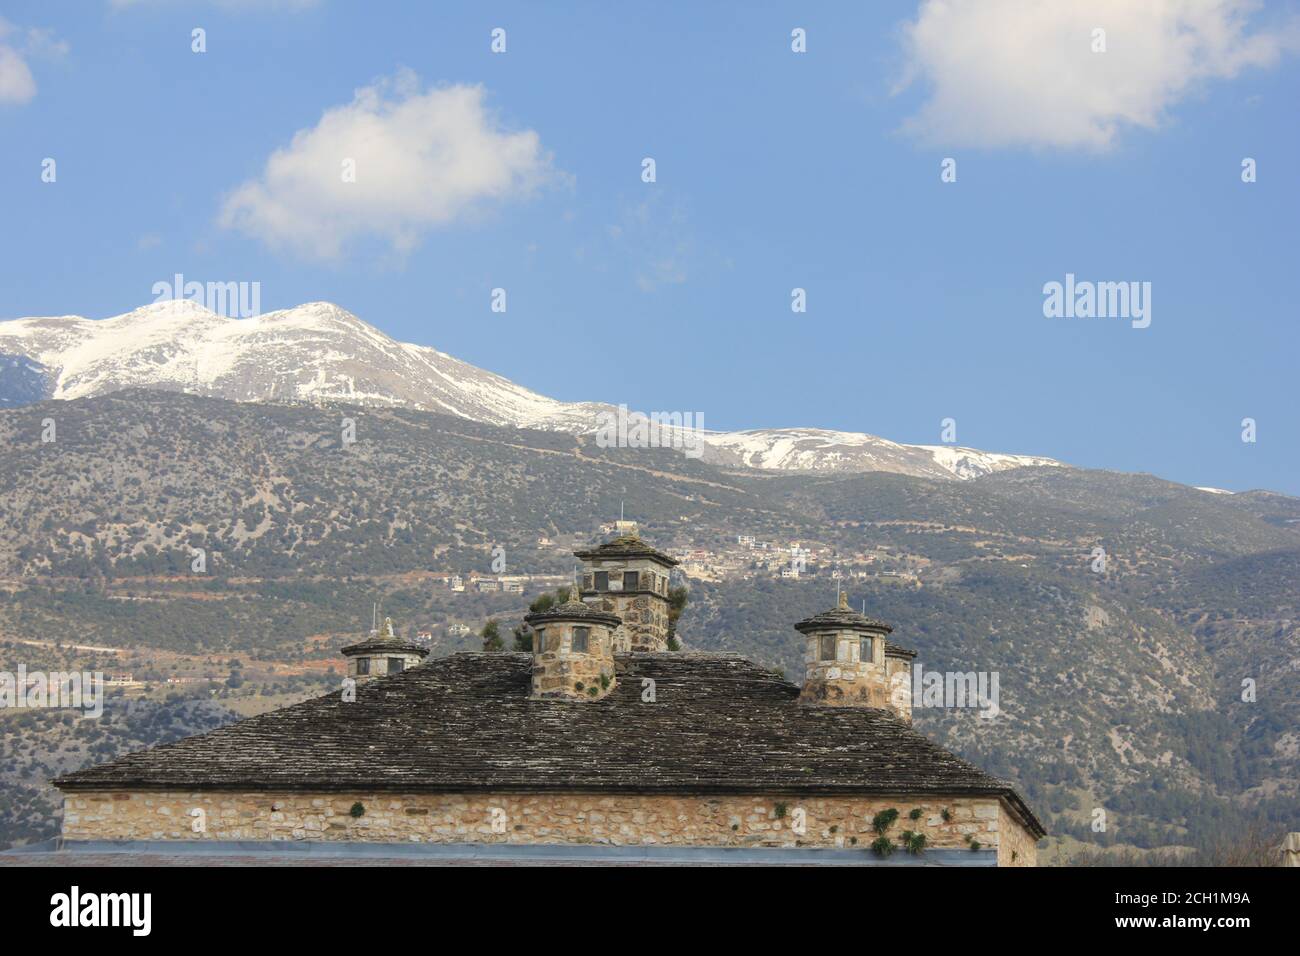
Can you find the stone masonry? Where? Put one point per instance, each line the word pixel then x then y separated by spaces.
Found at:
pixel 630 579
pixel 780 820
pixel 559 671
pixel 573 651
pixel 849 663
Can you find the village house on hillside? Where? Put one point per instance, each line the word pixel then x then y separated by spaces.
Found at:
pixel 599 738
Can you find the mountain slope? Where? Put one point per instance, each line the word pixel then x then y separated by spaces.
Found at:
pixel 302 533
pixel 319 352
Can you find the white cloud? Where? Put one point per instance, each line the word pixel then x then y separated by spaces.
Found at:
pixel 1023 72
pixel 17 85
pixel 422 160
pixel 661 272
pixel 16 82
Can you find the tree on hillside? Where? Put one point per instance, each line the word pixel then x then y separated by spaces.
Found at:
pixel 677 598
pixel 491 635
pixel 523 637
pixel 523 634
pixel 545 602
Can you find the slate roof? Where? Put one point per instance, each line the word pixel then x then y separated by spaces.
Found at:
pixel 845 618
pixel 841 618
pixel 720 724
pixel 379 645
pixel 382 640
pixel 627 546
pixel 573 610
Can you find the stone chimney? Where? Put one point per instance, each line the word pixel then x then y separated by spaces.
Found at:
pixel 849 663
pixel 381 654
pixel 573 651
pixel 1290 849
pixel 628 578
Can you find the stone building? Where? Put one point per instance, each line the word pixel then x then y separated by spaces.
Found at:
pixel 629 578
pixel 589 746
pixel 573 650
pixel 381 654
pixel 848 662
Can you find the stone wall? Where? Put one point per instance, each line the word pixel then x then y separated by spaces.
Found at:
pixel 1016 847
pixel 644 610
pixel 850 680
pixel 898 672
pixel 736 821
pixel 560 671
pixel 377 664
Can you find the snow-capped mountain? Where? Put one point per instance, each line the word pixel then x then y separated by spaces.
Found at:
pixel 818 449
pixel 320 352
pixel 316 351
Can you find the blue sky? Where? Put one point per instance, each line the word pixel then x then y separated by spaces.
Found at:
pixel 774 170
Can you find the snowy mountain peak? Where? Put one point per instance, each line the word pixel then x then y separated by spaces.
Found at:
pixel 819 449
pixel 319 351
pixel 163 308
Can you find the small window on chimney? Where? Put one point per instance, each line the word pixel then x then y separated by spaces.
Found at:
pixel 363 666
pixel 828 647
pixel 602 580
pixel 631 580
pixel 580 636
pixel 541 639
pixel 867 647
pixel 396 665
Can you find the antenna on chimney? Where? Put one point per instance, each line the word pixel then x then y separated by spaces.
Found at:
pixel 620 509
